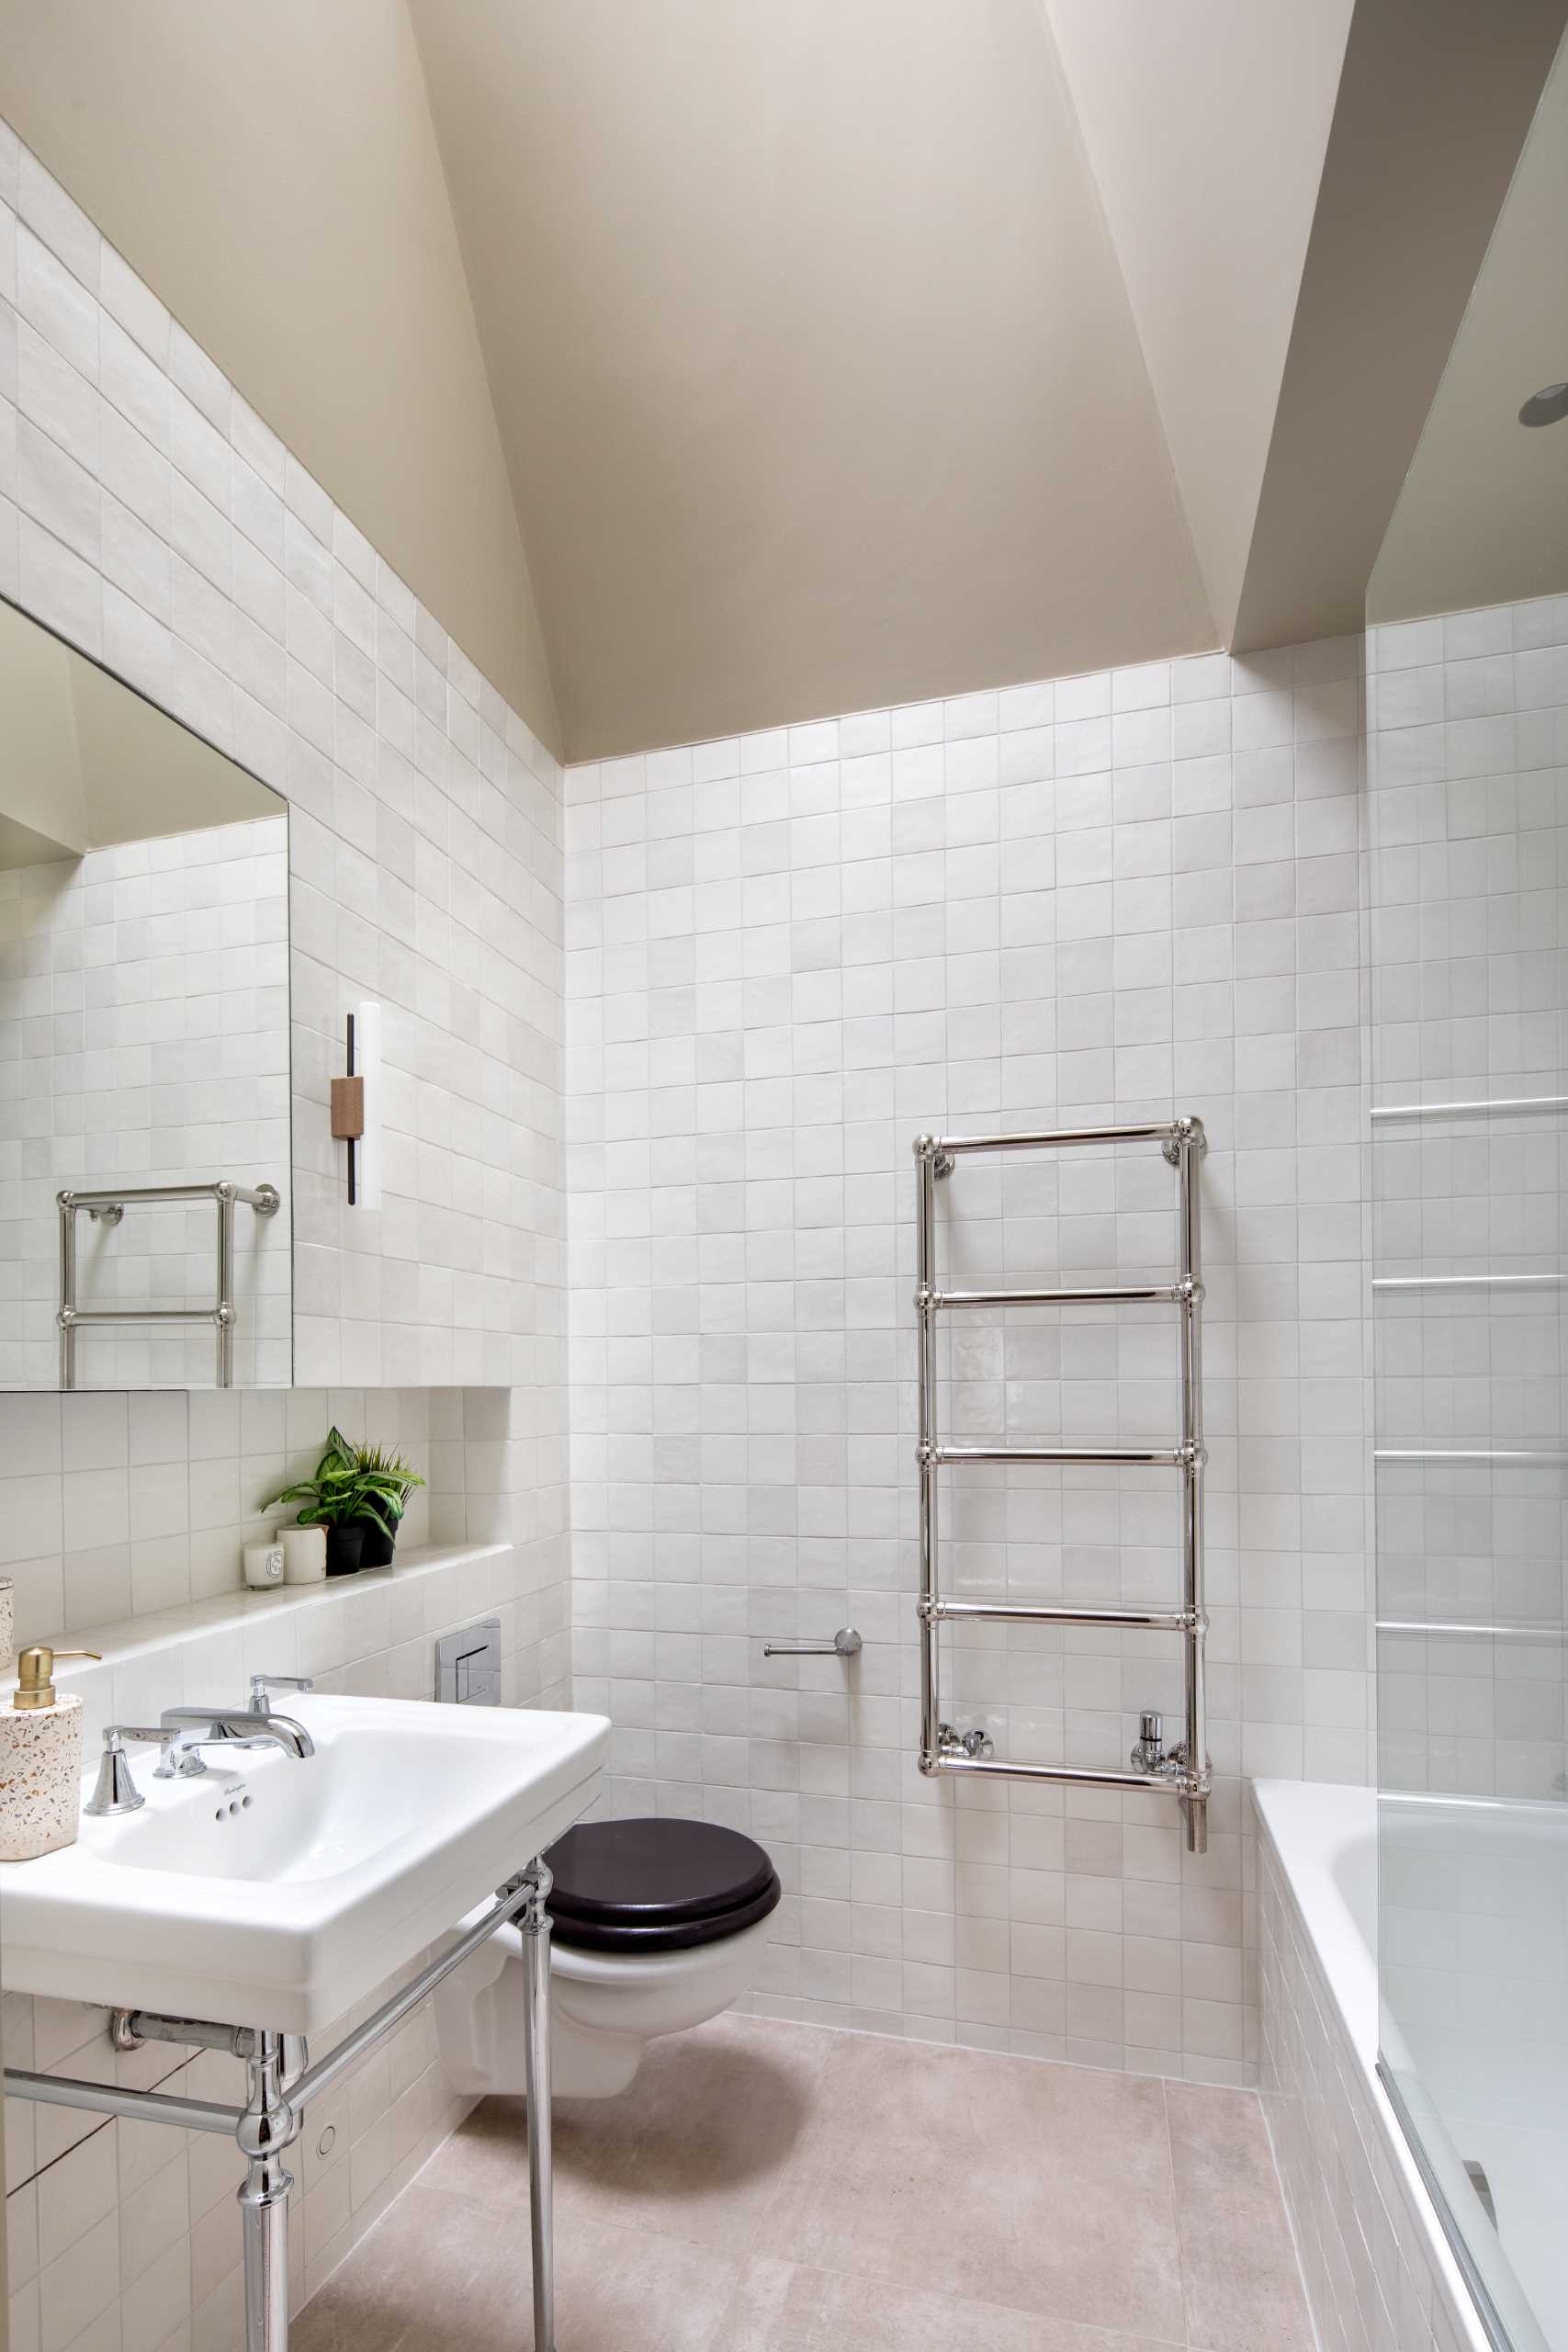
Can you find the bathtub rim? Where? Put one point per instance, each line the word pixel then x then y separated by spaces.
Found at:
pixel 1305 1824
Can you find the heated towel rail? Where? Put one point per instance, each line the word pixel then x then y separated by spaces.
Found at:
pixel 1182 1770
pixel 107 1208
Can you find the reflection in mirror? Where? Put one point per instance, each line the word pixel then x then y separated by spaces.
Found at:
pixel 143 1041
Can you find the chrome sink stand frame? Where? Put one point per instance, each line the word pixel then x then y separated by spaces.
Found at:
pixel 1183 1770
pixel 283 2083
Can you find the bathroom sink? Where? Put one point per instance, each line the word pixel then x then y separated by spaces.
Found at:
pixel 275 1892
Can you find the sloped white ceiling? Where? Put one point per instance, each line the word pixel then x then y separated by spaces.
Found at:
pixel 1483 519
pixel 1206 123
pixel 711 363
pixel 812 357
pixel 273 174
pixel 1433 109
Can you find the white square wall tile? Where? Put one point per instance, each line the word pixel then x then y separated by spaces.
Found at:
pixel 742 1397
pixel 166 529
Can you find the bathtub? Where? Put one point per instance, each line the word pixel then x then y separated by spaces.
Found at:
pixel 1378 2263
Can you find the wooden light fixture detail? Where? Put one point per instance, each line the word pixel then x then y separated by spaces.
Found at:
pixel 349 1108
pixel 356 1105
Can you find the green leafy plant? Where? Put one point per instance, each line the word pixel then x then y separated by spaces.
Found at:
pixel 353 1482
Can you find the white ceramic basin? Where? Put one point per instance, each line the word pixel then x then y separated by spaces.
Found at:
pixel 276 1892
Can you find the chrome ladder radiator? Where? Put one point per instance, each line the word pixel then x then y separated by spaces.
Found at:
pixel 1182 1770
pixel 107 1208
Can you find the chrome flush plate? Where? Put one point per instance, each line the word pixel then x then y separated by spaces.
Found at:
pixel 468 1666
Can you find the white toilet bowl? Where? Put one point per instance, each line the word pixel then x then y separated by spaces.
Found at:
pixel 604 2008
pixel 643 1944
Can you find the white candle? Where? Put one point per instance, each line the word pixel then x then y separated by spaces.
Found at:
pixel 264 1564
pixel 304 1555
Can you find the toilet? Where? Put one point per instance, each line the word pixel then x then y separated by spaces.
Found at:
pixel 656 1925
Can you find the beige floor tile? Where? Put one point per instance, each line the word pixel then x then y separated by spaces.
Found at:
pixel 440 2273
pixel 1045 2189
pixel 767 2187
pixel 1242 2282
pixel 781 2308
pixel 696 2149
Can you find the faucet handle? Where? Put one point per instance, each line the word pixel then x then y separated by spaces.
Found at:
pixel 116 1791
pixel 263 1685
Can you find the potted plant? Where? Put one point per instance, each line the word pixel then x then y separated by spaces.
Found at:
pixel 358 1493
pixel 387 1481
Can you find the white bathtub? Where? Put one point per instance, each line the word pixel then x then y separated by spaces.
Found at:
pixel 1378 2264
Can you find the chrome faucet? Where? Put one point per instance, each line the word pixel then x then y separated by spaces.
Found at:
pixel 116 1791
pixel 184 1731
pixel 263 1685
pixel 190 1729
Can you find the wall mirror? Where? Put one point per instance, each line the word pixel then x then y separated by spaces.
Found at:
pixel 144 1090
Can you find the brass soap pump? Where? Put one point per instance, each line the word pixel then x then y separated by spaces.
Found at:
pixel 40 1758
pixel 35 1675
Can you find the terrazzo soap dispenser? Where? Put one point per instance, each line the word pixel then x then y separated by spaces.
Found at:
pixel 40 1760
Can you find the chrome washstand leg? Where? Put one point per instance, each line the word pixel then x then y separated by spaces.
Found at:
pixel 282 2084
pixel 263 2132
pixel 535 1925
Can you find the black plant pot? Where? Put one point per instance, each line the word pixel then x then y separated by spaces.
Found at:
pixel 379 1547
pixel 346 1548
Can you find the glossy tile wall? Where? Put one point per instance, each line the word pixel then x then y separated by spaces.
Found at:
pixel 1103 898
pixel 144 1040
pixel 148 515
pixel 1467 742
pixel 111 1505
pixel 789 954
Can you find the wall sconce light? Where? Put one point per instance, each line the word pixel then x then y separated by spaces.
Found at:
pixel 356 1106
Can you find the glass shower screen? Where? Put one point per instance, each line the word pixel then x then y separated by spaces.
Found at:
pixel 1467 940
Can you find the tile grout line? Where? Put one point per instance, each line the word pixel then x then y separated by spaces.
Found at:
pixel 1176 2211
pixel 1291 2221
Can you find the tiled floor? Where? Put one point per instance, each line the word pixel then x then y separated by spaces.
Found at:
pixel 769 2187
